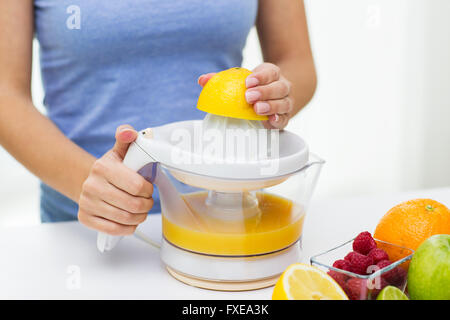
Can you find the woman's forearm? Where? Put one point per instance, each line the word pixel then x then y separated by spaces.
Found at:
pixel 41 147
pixel 283 34
pixel 302 76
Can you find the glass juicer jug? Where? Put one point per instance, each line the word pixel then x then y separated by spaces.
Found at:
pixel 231 226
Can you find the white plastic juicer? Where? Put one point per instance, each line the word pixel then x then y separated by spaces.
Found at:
pixel 230 220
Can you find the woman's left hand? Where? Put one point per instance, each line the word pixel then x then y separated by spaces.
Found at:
pixel 268 91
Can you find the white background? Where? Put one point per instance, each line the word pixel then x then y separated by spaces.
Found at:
pixel 380 115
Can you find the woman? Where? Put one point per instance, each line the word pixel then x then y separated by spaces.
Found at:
pixel 106 63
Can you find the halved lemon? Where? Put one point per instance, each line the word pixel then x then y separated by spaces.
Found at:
pixel 305 282
pixel 224 95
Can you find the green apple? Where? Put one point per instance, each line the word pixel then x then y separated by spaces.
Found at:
pixel 429 270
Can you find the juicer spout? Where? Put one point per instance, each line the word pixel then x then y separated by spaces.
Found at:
pixel 311 172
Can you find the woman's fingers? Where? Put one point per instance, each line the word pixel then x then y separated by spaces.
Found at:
pixel 125 201
pixel 98 207
pixel 105 225
pixel 99 189
pixel 123 177
pixel 123 217
pixel 104 207
pixel 268 91
pixel 204 78
pixel 114 199
pixel 280 106
pixel 275 90
pixel 263 74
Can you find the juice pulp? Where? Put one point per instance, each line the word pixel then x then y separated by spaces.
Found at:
pixel 277 225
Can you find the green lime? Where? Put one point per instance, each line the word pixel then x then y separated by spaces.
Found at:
pixel 391 293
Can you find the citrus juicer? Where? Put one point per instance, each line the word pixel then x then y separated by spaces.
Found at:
pixel 233 198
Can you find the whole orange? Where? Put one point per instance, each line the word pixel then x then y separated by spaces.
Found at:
pixel 410 223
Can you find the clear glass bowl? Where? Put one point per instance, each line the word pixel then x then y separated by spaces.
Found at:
pixel 366 287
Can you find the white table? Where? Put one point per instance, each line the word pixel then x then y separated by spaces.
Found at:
pixel 41 262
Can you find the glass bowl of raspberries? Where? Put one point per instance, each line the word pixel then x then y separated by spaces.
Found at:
pixel 362 266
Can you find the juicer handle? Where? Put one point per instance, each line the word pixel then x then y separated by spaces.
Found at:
pixel 135 159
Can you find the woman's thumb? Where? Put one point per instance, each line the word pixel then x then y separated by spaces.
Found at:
pixel 125 134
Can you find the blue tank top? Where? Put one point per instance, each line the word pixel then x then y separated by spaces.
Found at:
pixel 106 63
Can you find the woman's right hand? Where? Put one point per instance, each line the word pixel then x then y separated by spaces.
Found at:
pixel 115 199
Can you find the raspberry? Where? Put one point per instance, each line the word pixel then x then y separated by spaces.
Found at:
pixel 378 255
pixel 349 256
pixel 358 262
pixel 356 289
pixel 395 277
pixel 339 277
pixel 342 264
pixel 400 278
pixel 383 263
pixel 364 242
